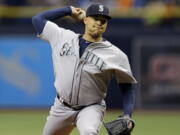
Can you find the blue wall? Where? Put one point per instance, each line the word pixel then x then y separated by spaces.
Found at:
pixel 26 72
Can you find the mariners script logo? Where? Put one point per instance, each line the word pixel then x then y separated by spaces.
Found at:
pixel 93 59
pixel 66 50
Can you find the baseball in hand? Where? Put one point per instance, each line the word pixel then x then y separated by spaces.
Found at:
pixel 82 15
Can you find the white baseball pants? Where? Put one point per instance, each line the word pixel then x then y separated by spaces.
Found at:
pixel 63 119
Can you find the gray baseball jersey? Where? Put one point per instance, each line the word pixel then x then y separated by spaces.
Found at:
pixel 83 81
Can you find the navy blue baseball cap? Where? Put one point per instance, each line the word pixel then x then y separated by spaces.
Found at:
pixel 98 9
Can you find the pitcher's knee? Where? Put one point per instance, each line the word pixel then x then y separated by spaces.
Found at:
pixel 89 131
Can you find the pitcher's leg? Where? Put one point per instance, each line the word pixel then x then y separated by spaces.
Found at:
pixel 89 120
pixel 60 120
pixel 57 126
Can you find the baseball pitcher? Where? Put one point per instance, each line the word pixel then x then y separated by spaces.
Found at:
pixel 84 64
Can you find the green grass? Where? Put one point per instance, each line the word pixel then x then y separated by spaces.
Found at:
pixel 147 123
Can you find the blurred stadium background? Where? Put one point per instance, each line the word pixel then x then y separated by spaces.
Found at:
pixel 148 31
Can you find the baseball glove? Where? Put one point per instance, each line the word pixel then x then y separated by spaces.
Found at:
pixel 120 126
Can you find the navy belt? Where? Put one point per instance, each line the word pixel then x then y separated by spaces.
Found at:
pixel 76 108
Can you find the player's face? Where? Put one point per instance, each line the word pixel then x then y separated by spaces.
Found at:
pixel 95 25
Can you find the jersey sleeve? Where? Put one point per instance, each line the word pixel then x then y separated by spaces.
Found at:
pixel 123 73
pixel 53 33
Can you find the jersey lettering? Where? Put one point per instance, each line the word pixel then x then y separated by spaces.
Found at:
pixel 93 59
pixel 66 50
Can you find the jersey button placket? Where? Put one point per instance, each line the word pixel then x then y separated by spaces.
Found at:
pixel 76 86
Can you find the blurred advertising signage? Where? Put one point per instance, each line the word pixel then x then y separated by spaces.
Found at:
pixel 157 65
pixel 165 67
pixel 26 77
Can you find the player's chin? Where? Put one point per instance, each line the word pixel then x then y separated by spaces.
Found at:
pixel 96 34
